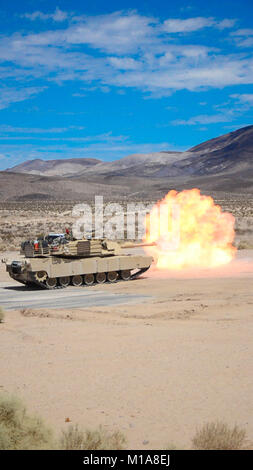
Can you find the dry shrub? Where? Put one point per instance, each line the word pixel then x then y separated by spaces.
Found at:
pixel 100 439
pixel 2 315
pixel 72 439
pixel 19 430
pixel 219 436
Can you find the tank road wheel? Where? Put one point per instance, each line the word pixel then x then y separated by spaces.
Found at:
pixel 40 276
pixel 100 278
pixel 51 282
pixel 89 279
pixel 112 276
pixel 77 280
pixel 64 281
pixel 125 274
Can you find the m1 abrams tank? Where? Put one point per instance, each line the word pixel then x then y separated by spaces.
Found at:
pixel 76 262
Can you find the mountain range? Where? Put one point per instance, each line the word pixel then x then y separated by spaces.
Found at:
pixel 223 164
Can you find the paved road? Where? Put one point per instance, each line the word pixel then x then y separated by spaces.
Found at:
pixel 16 297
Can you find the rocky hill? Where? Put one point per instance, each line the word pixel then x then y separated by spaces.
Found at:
pixel 223 164
pixel 62 167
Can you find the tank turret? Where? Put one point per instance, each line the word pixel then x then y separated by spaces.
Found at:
pixel 83 248
pixel 92 247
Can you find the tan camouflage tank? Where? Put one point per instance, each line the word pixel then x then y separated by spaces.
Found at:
pixel 76 262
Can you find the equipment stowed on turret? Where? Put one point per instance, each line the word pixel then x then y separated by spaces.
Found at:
pixel 87 261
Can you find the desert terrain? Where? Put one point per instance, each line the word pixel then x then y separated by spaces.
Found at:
pixel 156 357
pixel 176 354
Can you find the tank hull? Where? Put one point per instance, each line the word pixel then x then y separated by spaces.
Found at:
pixel 38 270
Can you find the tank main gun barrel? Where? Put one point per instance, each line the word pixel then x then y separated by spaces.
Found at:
pixel 137 245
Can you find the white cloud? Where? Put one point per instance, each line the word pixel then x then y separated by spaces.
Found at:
pixel 124 63
pixel 227 112
pixel 212 72
pixel 202 119
pixel 188 25
pixel 116 32
pixel 14 95
pixel 195 24
pixel 248 42
pixel 57 16
pixel 227 23
pixel 244 98
pixel 242 32
pixel 39 135
pixel 5 129
pixel 125 49
pixel 243 37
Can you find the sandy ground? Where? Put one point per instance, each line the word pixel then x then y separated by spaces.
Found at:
pixel 155 369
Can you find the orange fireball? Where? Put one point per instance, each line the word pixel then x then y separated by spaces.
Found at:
pixel 189 230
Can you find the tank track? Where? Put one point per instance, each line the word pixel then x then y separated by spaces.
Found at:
pixel 138 273
pixel 44 286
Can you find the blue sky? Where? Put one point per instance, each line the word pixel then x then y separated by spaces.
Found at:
pixel 104 80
